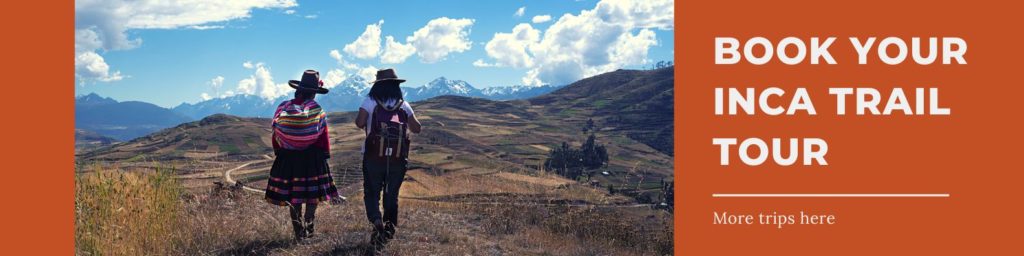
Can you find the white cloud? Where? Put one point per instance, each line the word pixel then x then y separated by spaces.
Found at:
pixel 216 82
pixel 520 11
pixel 636 13
pixel 248 65
pixel 311 16
pixel 541 18
pixel 367 46
pixel 616 33
pixel 336 76
pixel 91 66
pixel 333 78
pixel 482 64
pixel 289 11
pixel 205 27
pixel 103 24
pixel 395 52
pixel 510 49
pixel 369 73
pixel 159 14
pixel 631 48
pixel 87 40
pixel 336 55
pixel 261 83
pixel 441 37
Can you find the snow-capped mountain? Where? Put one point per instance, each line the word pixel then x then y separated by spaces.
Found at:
pixel 352 85
pixel 92 99
pixel 239 105
pixel 346 96
pixel 513 92
pixel 442 86
pixel 349 94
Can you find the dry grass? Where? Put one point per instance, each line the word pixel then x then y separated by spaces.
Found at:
pixel 148 213
pixel 123 213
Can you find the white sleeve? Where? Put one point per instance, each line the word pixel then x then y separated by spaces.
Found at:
pixel 407 108
pixel 368 105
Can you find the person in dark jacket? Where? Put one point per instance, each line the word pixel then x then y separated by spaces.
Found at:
pixel 386 118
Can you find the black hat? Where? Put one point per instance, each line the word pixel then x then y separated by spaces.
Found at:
pixel 310 82
pixel 387 75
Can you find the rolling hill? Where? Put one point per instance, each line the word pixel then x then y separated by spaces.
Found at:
pixel 635 103
pixel 88 140
pixel 216 135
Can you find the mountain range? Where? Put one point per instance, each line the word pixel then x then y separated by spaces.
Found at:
pixel 131 119
pixel 634 106
pixel 629 111
pixel 122 120
pixel 349 94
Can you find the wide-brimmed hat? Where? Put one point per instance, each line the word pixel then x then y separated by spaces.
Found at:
pixel 387 75
pixel 310 82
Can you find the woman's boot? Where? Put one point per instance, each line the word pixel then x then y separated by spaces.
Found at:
pixel 309 218
pixel 295 211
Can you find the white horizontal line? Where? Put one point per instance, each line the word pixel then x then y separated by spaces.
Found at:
pixel 829 195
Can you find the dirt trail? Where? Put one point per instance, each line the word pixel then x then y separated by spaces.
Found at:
pixel 231 181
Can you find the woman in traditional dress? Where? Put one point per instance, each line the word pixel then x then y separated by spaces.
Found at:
pixel 300 174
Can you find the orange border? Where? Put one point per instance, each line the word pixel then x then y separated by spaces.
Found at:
pixel 38 153
pixel 972 154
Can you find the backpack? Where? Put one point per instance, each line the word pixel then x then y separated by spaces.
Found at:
pixel 389 136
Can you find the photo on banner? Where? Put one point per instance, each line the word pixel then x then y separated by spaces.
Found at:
pixel 298 127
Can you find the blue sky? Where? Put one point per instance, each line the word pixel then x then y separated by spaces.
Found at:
pixel 167 55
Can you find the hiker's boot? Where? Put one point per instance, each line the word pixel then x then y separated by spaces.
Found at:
pixel 377 238
pixel 389 231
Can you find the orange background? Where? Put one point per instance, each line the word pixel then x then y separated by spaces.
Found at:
pixel 36 181
pixel 973 154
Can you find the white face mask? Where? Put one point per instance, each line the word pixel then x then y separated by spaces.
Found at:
pixel 390 103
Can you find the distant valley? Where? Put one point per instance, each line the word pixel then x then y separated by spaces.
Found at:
pixel 121 120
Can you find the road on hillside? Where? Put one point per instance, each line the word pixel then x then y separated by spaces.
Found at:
pixel 231 181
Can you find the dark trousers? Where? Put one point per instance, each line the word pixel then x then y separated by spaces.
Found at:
pixel 382 176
